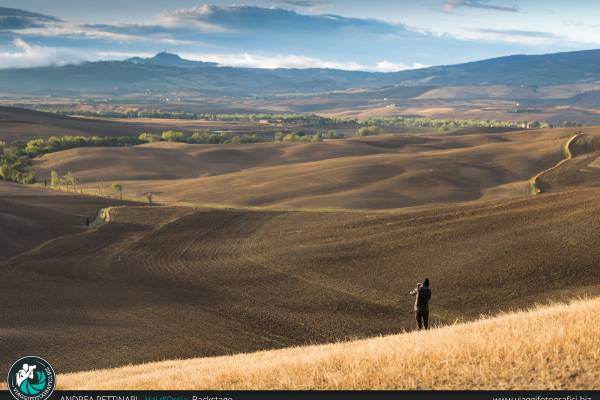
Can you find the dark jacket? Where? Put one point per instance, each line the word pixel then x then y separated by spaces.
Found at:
pixel 423 294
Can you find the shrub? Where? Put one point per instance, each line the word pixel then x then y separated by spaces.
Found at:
pixel 173 136
pixel 369 131
pixel 149 137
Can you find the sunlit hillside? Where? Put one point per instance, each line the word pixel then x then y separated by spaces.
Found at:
pixel 553 347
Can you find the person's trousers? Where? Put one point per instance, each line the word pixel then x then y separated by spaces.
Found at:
pixel 422 317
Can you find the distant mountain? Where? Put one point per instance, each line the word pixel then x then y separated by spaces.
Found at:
pixel 169 73
pixel 171 60
pixel 529 70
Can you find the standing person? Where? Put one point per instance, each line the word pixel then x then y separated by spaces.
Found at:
pixel 423 294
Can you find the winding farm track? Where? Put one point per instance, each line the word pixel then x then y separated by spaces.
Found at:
pixel 535 180
pixel 582 171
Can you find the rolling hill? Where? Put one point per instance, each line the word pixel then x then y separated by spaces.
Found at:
pixel 503 347
pixel 25 124
pixel 31 217
pixel 373 173
pixel 279 260
pixel 582 171
pixel 528 70
pixel 159 283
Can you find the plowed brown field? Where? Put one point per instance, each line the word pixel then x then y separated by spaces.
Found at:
pixel 168 282
pixel 373 173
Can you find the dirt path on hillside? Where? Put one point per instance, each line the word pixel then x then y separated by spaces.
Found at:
pixel 535 185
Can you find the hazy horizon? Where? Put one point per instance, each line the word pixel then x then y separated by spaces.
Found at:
pixel 388 36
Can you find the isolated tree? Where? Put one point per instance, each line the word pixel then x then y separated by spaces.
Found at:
pixel 149 197
pixel 118 188
pixel 69 180
pixel 54 178
pixel 99 185
pixel 369 130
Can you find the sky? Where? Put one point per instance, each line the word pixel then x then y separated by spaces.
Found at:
pixel 384 35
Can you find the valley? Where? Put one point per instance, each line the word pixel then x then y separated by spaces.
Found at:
pixel 179 279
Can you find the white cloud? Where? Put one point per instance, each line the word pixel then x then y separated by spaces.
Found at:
pixel 26 55
pixel 387 66
pixel 192 17
pixel 72 30
pixel 308 6
pixel 302 3
pixel 294 61
pixel 270 62
pixel 511 36
pixel 68 30
pixel 451 5
pixel 121 55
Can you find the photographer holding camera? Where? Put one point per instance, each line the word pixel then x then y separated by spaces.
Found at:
pixel 423 294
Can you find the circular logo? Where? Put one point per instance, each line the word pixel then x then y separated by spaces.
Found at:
pixel 31 378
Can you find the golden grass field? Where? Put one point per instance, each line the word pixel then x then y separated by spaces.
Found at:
pixel 550 347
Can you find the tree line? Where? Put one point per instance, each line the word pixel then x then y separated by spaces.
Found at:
pixel 13 164
pixel 208 137
pixel 304 119
pixel 38 147
pixel 200 137
pixel 299 136
pixel 442 124
pixel 404 121
pixel 70 181
pixel 18 156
